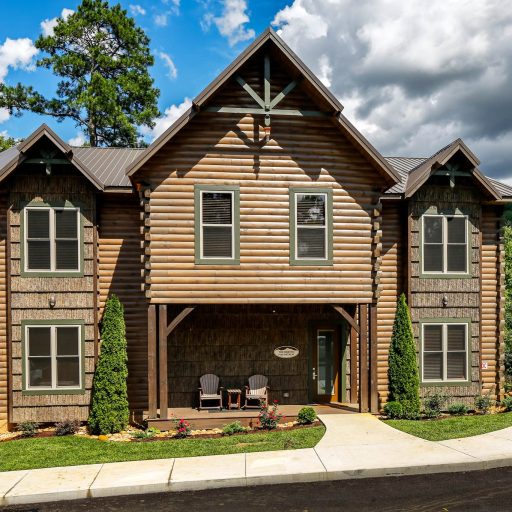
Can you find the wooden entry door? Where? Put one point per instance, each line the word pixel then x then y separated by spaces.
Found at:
pixel 325 371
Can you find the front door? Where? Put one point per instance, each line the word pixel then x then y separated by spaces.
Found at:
pixel 326 366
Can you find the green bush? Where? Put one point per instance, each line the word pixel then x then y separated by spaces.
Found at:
pixel 146 434
pixel 393 410
pixel 67 427
pixel 507 403
pixel 109 410
pixel 403 372
pixel 306 416
pixel 483 403
pixel 233 428
pixel 27 428
pixel 458 409
pixel 433 405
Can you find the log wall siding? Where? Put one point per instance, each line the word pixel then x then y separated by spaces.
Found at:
pixel 119 272
pixel 30 295
pixel 492 299
pixel 4 349
pixel 426 294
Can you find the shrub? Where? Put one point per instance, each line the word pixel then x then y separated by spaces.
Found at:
pixel 306 416
pixel 146 434
pixel 182 429
pixel 458 409
pixel 403 372
pixel 233 428
pixel 27 428
pixel 483 403
pixel 67 427
pixel 269 416
pixel 109 409
pixel 507 403
pixel 433 405
pixel 393 410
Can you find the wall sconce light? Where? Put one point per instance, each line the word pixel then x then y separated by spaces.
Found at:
pixel 445 301
pixel 52 301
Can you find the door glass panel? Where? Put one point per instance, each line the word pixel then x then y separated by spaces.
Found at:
pixel 325 380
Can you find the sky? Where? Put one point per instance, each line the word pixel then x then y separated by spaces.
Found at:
pixel 412 75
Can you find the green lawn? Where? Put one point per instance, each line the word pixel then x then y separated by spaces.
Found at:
pixel 48 452
pixel 454 426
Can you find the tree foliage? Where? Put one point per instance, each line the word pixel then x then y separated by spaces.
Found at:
pixel 6 142
pixel 403 372
pixel 109 408
pixel 507 235
pixel 102 59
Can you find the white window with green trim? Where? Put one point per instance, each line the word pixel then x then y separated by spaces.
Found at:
pixel 445 245
pixel 445 352
pixel 53 357
pixel 51 239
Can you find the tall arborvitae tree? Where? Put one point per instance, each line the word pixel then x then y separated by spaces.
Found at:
pixel 109 408
pixel 403 372
pixel 102 59
pixel 507 236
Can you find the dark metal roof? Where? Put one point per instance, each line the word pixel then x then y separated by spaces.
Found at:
pixel 403 166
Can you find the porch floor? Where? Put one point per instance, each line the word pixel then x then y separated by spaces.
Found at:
pixel 216 419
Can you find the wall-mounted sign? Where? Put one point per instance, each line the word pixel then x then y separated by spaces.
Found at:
pixel 286 352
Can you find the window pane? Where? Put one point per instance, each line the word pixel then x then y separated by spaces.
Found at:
pixel 38 255
pixel 456 365
pixel 456 337
pixel 66 223
pixel 310 209
pixel 432 338
pixel 326 377
pixel 39 341
pixel 433 258
pixel 66 254
pixel 216 208
pixel 311 243
pixel 38 223
pixel 456 230
pixel 68 371
pixel 40 372
pixel 457 258
pixel 67 341
pixel 217 242
pixel 433 228
pixel 432 366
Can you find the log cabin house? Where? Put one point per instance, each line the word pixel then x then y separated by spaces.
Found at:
pixel 260 219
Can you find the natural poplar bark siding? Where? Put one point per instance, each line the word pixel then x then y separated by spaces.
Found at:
pixel 120 273
pixel 4 352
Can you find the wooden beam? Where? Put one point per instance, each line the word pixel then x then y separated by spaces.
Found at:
pixel 261 111
pixel 178 319
pixel 152 365
pixel 343 312
pixel 287 90
pixel 249 90
pixel 374 395
pixel 162 361
pixel 353 366
pixel 363 358
pixel 266 82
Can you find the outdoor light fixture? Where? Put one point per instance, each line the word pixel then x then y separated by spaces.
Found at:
pixel 52 301
pixel 445 301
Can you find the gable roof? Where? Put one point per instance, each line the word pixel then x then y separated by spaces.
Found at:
pixel 269 36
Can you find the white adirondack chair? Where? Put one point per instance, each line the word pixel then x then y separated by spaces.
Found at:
pixel 257 390
pixel 210 391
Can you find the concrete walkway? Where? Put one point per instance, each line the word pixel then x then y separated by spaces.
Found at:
pixel 354 446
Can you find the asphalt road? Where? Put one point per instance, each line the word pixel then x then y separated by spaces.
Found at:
pixel 487 491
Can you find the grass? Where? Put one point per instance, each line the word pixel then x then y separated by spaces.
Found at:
pixel 453 426
pixel 46 452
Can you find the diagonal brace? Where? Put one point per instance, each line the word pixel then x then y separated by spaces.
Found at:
pixel 287 90
pixel 247 88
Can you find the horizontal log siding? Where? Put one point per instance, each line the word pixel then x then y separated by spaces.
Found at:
pixel 30 295
pixel 426 294
pixel 391 286
pixel 4 349
pixel 492 297
pixel 119 272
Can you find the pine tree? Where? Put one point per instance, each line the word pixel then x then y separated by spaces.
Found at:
pixel 109 408
pixel 101 58
pixel 7 142
pixel 403 372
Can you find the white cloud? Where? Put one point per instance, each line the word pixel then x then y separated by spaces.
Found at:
pixel 4 116
pixel 169 63
pixel 161 19
pixel 48 25
pixel 170 115
pixel 413 76
pixel 78 140
pixel 137 10
pixel 232 22
pixel 16 54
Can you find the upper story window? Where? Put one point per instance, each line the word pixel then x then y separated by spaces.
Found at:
pixel 445 244
pixel 310 226
pixel 52 239
pixel 217 225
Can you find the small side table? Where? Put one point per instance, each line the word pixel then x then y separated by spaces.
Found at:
pixel 234 395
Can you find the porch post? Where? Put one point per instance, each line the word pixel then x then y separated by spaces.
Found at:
pixel 363 358
pixel 152 369
pixel 374 396
pixel 162 361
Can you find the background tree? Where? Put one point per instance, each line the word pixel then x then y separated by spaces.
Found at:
pixel 7 142
pixel 507 236
pixel 109 408
pixel 103 60
pixel 403 375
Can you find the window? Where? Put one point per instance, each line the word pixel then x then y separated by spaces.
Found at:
pixel 445 352
pixel 53 357
pixel 445 244
pixel 310 236
pixel 52 239
pixel 217 225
